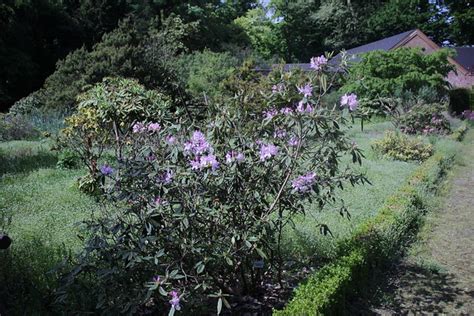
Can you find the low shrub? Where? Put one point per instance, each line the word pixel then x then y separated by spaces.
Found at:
pixel 459 100
pixel 459 133
pixel 16 127
pixel 68 159
pixel 400 147
pixel 425 119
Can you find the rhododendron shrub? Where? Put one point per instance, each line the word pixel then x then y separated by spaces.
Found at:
pixel 196 210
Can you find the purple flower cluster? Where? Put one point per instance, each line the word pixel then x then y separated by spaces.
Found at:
pixel 350 101
pixel 279 133
pixel 271 113
pixel 232 156
pixel 202 151
pixel 150 127
pixel 294 141
pixel 198 144
pixel 468 115
pixel 170 139
pixel 106 170
pixel 175 300
pixel 304 183
pixel 286 111
pixel 317 63
pixel 306 90
pixel 304 109
pixel 267 151
pixel 167 177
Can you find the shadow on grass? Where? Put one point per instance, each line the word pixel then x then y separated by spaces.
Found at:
pixel 26 284
pixel 26 160
pixel 407 288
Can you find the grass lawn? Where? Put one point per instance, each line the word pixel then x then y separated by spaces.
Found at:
pixel 44 205
pixel 305 240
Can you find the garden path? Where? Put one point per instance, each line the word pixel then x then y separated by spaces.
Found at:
pixel 439 279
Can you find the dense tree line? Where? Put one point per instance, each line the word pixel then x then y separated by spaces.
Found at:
pixel 36 34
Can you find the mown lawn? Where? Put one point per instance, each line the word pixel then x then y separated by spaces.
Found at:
pixel 43 204
pixel 304 239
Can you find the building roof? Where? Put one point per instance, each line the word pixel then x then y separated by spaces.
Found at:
pixel 465 56
pixel 384 44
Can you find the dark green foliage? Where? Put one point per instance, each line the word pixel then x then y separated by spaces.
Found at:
pixel 383 73
pixel 127 52
pixel 68 159
pixel 459 100
pixel 204 72
pixel 36 33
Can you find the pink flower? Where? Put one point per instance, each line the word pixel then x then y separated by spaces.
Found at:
pixel 138 127
pixel 349 100
pixel 304 109
pixel 303 183
pixel 279 133
pixel 286 111
pixel 306 90
pixel 232 156
pixel 267 151
pixel 270 113
pixel 201 162
pixel 317 63
pixel 293 142
pixel 198 144
pixel 170 139
pixel 175 300
pixel 153 127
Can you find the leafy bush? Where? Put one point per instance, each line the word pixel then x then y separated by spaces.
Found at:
pixel 27 104
pixel 382 73
pixel 68 159
pixel 105 111
pixel 128 51
pixel 424 118
pixel 400 147
pixel 16 127
pixel 196 209
pixel 204 72
pixel 459 100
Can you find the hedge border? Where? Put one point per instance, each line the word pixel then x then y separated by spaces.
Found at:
pixel 460 132
pixel 376 241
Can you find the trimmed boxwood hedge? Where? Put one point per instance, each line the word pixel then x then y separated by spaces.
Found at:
pixel 376 241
